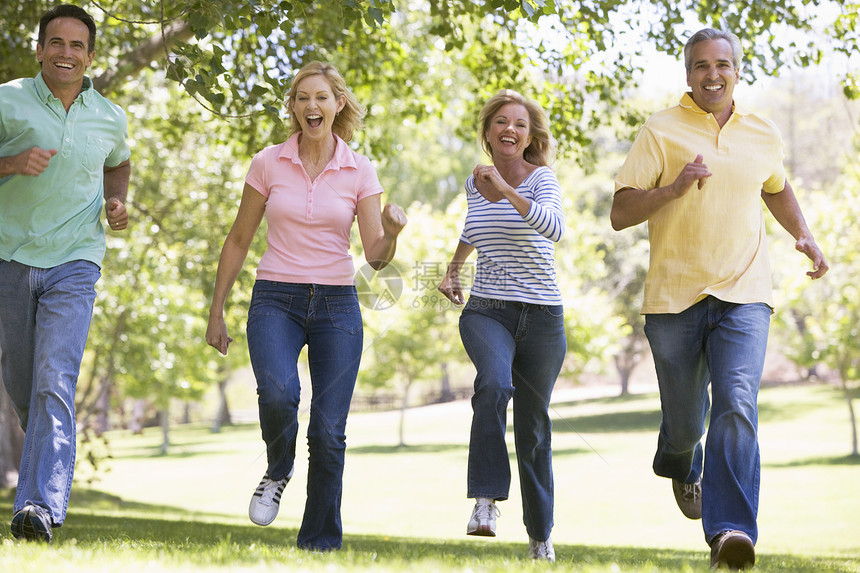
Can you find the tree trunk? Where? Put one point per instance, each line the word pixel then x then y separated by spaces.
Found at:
pixel 446 395
pixel 164 416
pixel 626 360
pixel 222 417
pixel 846 391
pixel 404 404
pixel 103 407
pixel 155 48
pixel 138 412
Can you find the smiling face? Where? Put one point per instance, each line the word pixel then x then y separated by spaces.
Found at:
pixel 712 77
pixel 65 56
pixel 315 107
pixel 508 132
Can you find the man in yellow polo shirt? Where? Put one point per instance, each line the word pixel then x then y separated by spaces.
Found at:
pixel 697 173
pixel 63 157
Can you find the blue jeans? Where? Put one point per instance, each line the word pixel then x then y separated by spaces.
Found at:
pixel 724 344
pixel 282 319
pixel 44 321
pixel 517 350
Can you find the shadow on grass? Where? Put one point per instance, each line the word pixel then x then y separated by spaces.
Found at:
pixel 825 461
pixel 612 422
pixel 406 449
pixel 188 543
pixel 650 397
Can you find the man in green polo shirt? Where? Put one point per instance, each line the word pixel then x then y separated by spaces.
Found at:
pixel 63 156
pixel 698 173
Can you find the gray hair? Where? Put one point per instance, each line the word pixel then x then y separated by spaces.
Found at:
pixel 713 34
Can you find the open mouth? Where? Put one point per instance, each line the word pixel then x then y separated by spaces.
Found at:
pixel 314 120
pixel 506 139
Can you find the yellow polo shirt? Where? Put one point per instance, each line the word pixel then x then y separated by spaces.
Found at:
pixel 712 240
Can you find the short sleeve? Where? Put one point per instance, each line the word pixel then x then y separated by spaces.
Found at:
pixel 776 182
pixel 644 163
pixel 121 152
pixel 368 179
pixel 256 177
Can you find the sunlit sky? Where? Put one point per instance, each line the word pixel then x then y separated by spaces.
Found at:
pixel 665 75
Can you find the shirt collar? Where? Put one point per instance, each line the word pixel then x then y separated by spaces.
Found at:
pixel 688 103
pixel 343 156
pixel 45 94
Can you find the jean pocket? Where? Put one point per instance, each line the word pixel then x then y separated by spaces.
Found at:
pixel 555 311
pixel 344 312
pixel 269 302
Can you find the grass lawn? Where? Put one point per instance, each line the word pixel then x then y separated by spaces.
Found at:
pixel 404 509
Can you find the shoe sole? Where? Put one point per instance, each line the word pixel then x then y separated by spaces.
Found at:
pixel 736 553
pixel 482 531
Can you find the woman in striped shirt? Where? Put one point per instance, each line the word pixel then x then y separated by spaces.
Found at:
pixel 513 324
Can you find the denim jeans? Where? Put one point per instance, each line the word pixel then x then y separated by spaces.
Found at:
pixel 517 350
pixel 44 321
pixel 724 344
pixel 282 319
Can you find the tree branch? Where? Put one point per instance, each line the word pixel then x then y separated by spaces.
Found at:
pixel 155 48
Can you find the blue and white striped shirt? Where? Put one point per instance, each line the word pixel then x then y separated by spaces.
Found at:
pixel 516 255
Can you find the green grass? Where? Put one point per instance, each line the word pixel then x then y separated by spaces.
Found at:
pixel 404 509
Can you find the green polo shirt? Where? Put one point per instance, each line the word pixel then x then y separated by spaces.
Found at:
pixel 55 217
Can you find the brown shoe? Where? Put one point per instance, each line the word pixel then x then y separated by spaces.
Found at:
pixel 732 550
pixel 689 497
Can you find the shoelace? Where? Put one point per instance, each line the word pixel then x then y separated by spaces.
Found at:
pixel 270 490
pixel 691 491
pixel 487 511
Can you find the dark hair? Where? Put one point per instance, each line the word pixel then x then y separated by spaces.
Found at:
pixel 68 11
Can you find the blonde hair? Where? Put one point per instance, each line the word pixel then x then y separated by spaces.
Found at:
pixel 348 119
pixel 540 150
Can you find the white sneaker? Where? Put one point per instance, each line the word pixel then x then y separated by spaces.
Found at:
pixel 266 500
pixel 483 521
pixel 541 550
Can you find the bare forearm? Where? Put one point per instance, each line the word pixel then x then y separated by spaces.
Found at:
pixel 461 253
pixel 116 181
pixel 786 210
pixel 633 206
pixel 229 266
pixel 380 253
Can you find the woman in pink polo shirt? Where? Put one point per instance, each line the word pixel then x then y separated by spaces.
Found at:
pixel 310 188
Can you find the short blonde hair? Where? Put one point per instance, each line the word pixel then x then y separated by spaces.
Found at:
pixel 348 119
pixel 541 148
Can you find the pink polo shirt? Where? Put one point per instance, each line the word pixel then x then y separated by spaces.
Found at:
pixel 309 222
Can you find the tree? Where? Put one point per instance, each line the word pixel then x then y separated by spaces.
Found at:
pixel 823 322
pixel 411 328
pixel 411 62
